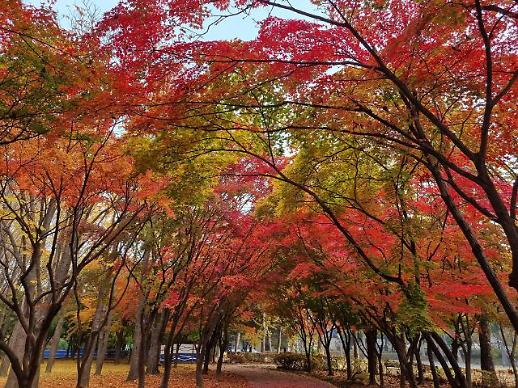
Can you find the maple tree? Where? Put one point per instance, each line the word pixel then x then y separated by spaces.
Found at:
pixel 433 82
pixel 352 168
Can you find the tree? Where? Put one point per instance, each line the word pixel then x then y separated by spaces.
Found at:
pixel 414 87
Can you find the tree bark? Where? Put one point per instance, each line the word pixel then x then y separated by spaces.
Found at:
pixel 137 342
pixel 153 358
pixel 372 359
pixel 54 343
pixel 487 365
pixel 279 342
pixel 85 366
pixel 238 340
pixel 119 344
pixel 435 377
pixel 102 346
pixel 222 348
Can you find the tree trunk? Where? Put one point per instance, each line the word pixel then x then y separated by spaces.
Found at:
pixel 222 348
pixel 279 342
pixel 201 356
pixel 405 362
pixel 489 378
pixel 328 359
pixel 17 344
pixel 54 343
pixel 238 341
pixel 102 345
pixel 435 377
pixel 85 366
pixel 172 336
pixel 210 346
pixel 459 376
pixel 420 368
pixel 153 358
pixel 467 362
pixel 119 344
pixel 137 342
pixel 345 339
pixel 446 368
pixel 176 353
pixel 372 358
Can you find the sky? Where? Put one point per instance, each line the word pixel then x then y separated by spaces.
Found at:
pixel 237 27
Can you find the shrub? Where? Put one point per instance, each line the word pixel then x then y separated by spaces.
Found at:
pixel 290 361
pixel 249 358
pixel 318 362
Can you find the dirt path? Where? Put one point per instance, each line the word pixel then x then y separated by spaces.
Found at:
pixel 259 377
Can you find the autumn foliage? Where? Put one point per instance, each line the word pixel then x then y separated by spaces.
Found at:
pixel 350 170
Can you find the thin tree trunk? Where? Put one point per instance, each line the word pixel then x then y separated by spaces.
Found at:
pixel 487 365
pixel 435 377
pixel 370 339
pixel 238 341
pixel 85 365
pixel 460 377
pixel 328 359
pixel 420 368
pixel 176 353
pixel 102 346
pixel 279 342
pixel 447 371
pixel 510 349
pixel 54 343
pixel 222 348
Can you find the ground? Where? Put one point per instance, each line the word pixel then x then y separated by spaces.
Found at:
pixel 258 377
pixel 114 375
pixel 235 376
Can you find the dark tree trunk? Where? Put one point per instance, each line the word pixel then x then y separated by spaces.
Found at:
pixel 420 368
pixel 438 354
pixel 345 339
pixel 405 362
pixel 176 353
pixel 329 361
pixel 222 348
pixel 153 359
pixel 459 375
pixel 208 352
pixel 119 344
pixel 435 377
pixel 99 320
pixel 171 337
pixel 372 358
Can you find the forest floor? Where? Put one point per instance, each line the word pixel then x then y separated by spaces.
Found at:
pixel 234 376
pixel 114 375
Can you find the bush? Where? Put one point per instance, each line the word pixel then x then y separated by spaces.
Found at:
pixel 290 361
pixel 249 358
pixel 318 362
